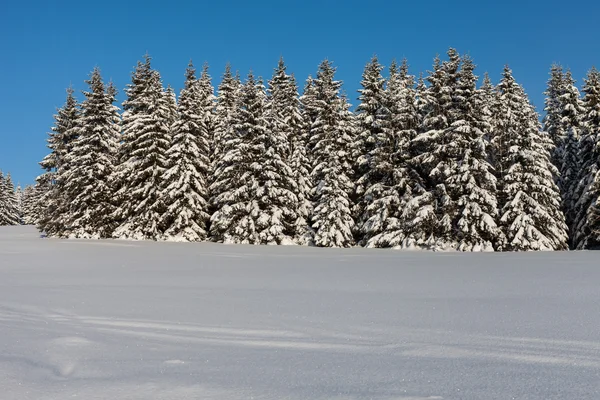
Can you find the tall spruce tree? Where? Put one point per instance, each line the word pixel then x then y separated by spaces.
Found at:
pixel 552 122
pixel 139 175
pixel 332 135
pixel 571 112
pixel 287 148
pixel 396 181
pixel 434 151
pixel 370 116
pixel 586 233
pixel 465 171
pixel 530 212
pixel 186 194
pixel 87 182
pixel 53 205
pixel 237 185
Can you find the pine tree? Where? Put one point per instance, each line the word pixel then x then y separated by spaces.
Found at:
pixel 530 214
pixel 332 135
pixel 186 195
pixel 87 182
pixel 586 232
pixel 139 175
pixel 52 205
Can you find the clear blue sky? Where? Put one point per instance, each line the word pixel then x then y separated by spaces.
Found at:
pixel 47 45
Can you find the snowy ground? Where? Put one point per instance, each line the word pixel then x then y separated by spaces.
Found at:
pixel 132 320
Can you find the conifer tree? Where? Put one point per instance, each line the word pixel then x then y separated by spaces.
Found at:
pixel 586 234
pixel 571 112
pixel 142 158
pixel 227 99
pixel 186 194
pixel 30 205
pixel 370 115
pixel 52 206
pixel 9 212
pixel 433 150
pixel 87 182
pixel 465 171
pixel 288 138
pixel 530 214
pixel 332 135
pixel 238 188
pixel 553 119
pixel 395 182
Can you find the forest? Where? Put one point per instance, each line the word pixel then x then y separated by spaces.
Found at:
pixel 430 161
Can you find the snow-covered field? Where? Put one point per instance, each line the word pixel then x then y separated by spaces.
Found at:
pixel 133 320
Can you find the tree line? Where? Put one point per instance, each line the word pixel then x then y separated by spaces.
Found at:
pixel 434 162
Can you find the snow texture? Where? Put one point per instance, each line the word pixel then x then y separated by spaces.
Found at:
pixel 146 320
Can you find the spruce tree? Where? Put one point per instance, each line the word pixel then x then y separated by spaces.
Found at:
pixel 3 201
pixel 586 233
pixel 286 156
pixel 87 182
pixel 30 205
pixel 139 176
pixel 553 119
pixel 186 194
pixel 434 151
pixel 571 112
pixel 530 212
pixel 395 180
pixel 465 171
pixel 53 206
pixel 370 115
pixel 227 98
pixel 332 135
pixel 237 185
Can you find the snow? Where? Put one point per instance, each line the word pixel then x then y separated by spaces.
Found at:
pixel 146 320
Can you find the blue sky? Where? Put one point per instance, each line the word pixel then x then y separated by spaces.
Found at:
pixel 46 46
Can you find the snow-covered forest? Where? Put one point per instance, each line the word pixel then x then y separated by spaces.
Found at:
pixel 433 161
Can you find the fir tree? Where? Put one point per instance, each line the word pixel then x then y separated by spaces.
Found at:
pixel 530 214
pixel 87 185
pixel 186 194
pixel 142 158
pixel 587 192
